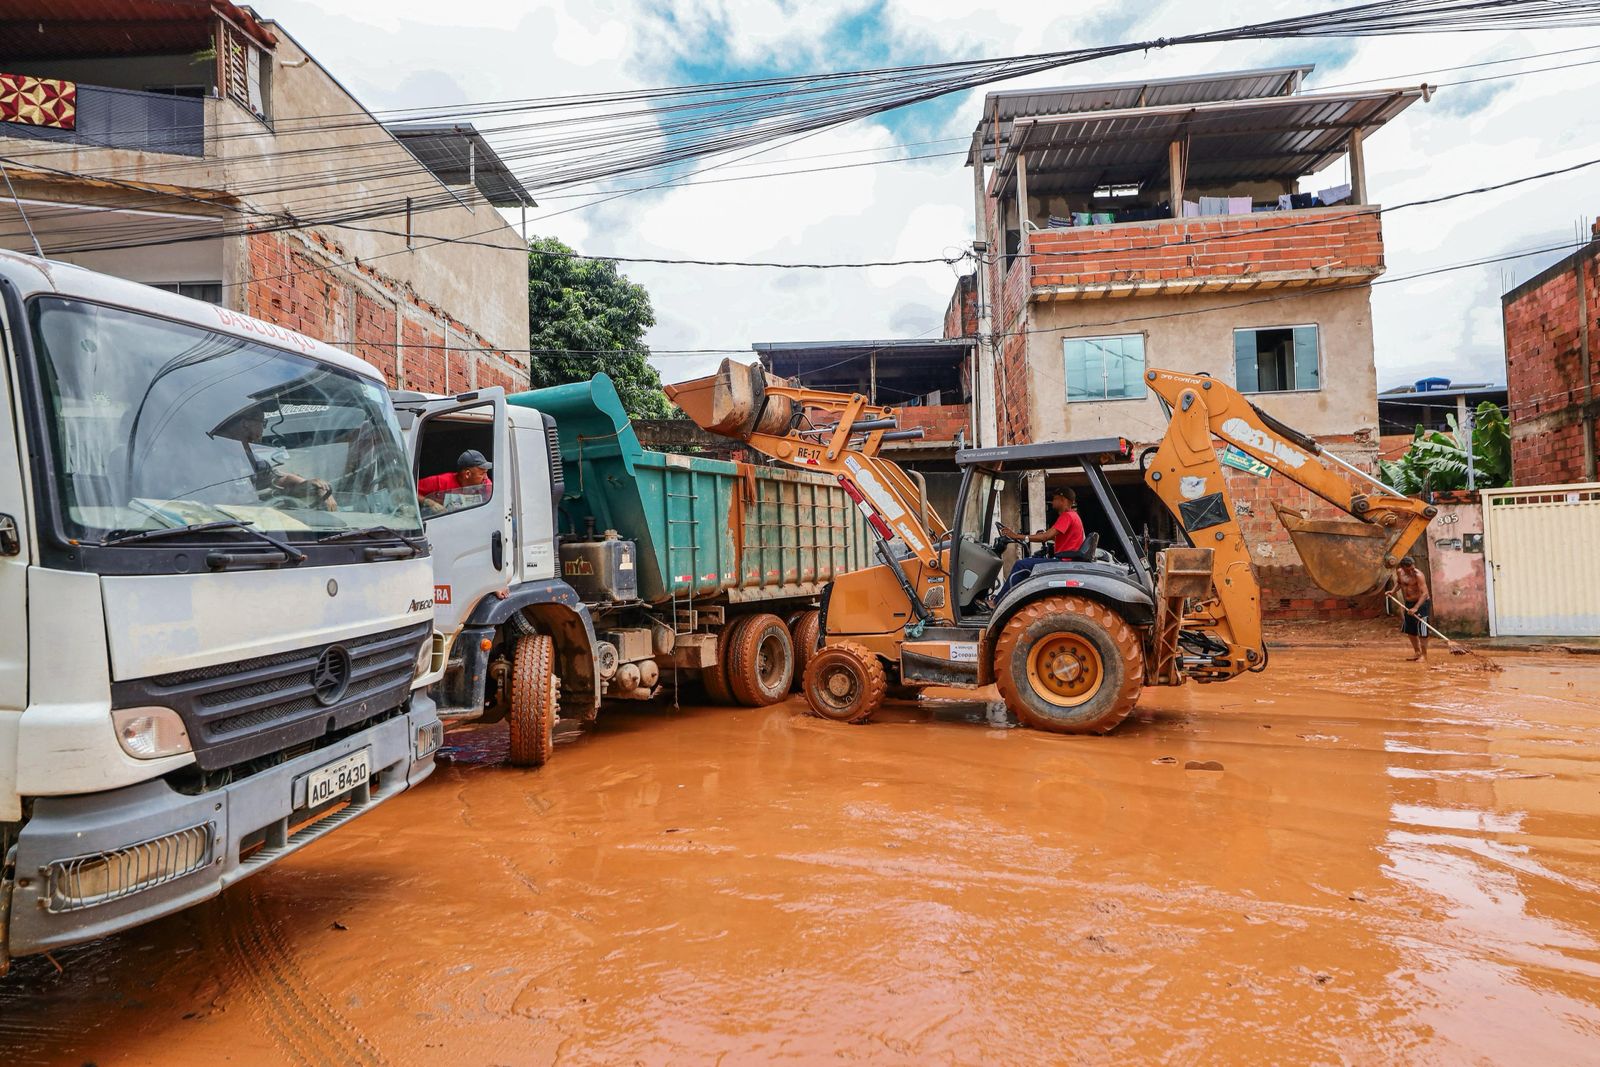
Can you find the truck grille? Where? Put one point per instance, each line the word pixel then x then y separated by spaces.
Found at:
pixel 240 711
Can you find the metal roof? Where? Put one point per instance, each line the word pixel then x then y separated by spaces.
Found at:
pixel 1265 139
pixel 457 153
pixel 1119 96
pixel 1409 395
pixel 62 29
pixel 914 348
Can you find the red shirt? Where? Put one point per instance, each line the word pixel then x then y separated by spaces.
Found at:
pixel 1068 529
pixel 449 482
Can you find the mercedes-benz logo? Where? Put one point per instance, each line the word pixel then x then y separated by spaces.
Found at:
pixel 331 676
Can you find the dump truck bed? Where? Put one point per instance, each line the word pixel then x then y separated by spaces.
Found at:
pixel 706 529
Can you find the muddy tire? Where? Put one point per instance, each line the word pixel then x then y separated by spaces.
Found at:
pixel 714 679
pixel 844 683
pixel 535 699
pixel 1069 665
pixel 805 629
pixel 761 661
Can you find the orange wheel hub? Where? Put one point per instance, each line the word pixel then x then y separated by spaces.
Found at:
pixel 1065 669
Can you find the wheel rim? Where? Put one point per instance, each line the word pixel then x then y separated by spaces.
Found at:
pixel 838 687
pixel 769 662
pixel 1065 669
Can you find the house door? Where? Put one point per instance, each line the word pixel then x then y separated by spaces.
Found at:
pixel 1544 575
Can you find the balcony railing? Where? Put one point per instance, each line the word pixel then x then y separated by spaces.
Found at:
pixel 126 118
pixel 1271 249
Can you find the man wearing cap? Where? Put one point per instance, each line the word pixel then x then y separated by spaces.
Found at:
pixel 1066 531
pixel 470 477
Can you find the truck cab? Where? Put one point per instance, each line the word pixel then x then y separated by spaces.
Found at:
pixel 216 600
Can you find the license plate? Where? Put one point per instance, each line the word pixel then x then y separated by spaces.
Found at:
pixel 341 776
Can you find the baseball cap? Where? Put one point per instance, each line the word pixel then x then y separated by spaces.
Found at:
pixel 473 458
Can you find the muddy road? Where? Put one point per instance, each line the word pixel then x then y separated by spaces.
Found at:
pixel 1347 859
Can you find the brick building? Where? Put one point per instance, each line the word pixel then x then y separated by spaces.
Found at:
pixel 1552 363
pixel 929 381
pixel 192 145
pixel 1164 224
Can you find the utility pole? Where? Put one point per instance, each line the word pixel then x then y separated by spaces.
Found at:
pixel 1466 432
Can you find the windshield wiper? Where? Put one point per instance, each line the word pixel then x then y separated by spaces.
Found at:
pixel 125 537
pixel 387 532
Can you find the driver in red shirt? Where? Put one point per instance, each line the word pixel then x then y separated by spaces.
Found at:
pixel 471 475
pixel 1066 531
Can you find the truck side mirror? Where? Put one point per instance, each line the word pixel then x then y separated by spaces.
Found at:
pixel 10 540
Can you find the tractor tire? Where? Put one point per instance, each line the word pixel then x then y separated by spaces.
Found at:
pixel 844 683
pixel 1069 665
pixel 714 679
pixel 535 700
pixel 761 661
pixel 806 632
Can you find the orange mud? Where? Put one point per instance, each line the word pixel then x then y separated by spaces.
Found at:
pixel 1391 864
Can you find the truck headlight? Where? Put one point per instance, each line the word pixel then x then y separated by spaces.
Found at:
pixel 150 733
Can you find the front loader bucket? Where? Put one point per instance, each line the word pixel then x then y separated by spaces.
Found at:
pixel 733 402
pixel 1345 558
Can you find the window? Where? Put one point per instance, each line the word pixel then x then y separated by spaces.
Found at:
pixel 1282 359
pixel 1105 368
pixel 447 478
pixel 210 292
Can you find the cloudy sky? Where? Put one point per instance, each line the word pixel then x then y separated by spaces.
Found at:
pixel 403 53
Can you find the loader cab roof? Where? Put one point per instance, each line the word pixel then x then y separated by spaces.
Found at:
pixel 1095 451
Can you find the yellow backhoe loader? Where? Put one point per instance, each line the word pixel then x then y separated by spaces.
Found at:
pixel 1071 644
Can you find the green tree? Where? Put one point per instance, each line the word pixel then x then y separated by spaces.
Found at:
pixel 1437 461
pixel 586 317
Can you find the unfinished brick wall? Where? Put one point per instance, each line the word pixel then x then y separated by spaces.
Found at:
pixel 1545 372
pixel 1334 239
pixel 938 422
pixel 307 283
pixel 961 314
pixel 1012 392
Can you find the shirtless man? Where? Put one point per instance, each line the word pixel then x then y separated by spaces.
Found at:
pixel 1419 607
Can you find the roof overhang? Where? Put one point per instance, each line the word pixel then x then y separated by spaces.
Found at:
pixel 1001 109
pixel 458 154
pixel 84 29
pixel 1271 139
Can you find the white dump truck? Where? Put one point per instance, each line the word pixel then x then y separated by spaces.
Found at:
pixel 215 601
pixel 579 566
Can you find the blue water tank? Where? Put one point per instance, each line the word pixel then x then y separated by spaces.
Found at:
pixel 1431 385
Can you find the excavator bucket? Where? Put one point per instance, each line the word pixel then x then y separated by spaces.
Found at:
pixel 1345 558
pixel 733 402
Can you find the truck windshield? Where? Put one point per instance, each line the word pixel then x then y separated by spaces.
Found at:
pixel 156 424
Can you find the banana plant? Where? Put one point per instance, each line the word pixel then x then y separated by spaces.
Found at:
pixel 1437 460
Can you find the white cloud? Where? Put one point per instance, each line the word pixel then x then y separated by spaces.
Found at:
pixel 1449 324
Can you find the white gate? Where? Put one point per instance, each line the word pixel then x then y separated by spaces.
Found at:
pixel 1542 545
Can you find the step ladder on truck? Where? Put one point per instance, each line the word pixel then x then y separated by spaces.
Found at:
pixel 1071 645
pixel 216 601
pixel 588 568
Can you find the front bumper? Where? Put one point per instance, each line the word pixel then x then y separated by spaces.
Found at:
pixel 261 814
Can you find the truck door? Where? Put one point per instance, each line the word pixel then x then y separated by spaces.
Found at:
pixel 469 527
pixel 14 541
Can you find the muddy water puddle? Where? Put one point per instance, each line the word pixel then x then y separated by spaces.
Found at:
pixel 1346 859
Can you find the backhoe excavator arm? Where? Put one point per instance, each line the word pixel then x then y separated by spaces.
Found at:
pixel 1347 559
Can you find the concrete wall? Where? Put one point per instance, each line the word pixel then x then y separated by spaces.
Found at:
pixel 1196 335
pixel 459 296
pixel 1549 376
pixel 1456 574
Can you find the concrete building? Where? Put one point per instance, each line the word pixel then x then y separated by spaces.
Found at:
pixel 929 381
pixel 1164 224
pixel 1552 324
pixel 192 145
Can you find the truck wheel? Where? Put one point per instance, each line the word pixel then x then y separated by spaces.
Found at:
pixel 535 697
pixel 805 631
pixel 845 683
pixel 1069 665
pixel 714 679
pixel 761 661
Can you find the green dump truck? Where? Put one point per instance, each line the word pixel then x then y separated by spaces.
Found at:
pixel 584 567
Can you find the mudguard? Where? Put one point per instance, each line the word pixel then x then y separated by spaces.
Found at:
pixel 1110 584
pixel 557 605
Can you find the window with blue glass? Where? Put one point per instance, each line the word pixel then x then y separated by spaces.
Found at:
pixel 1280 359
pixel 1105 368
